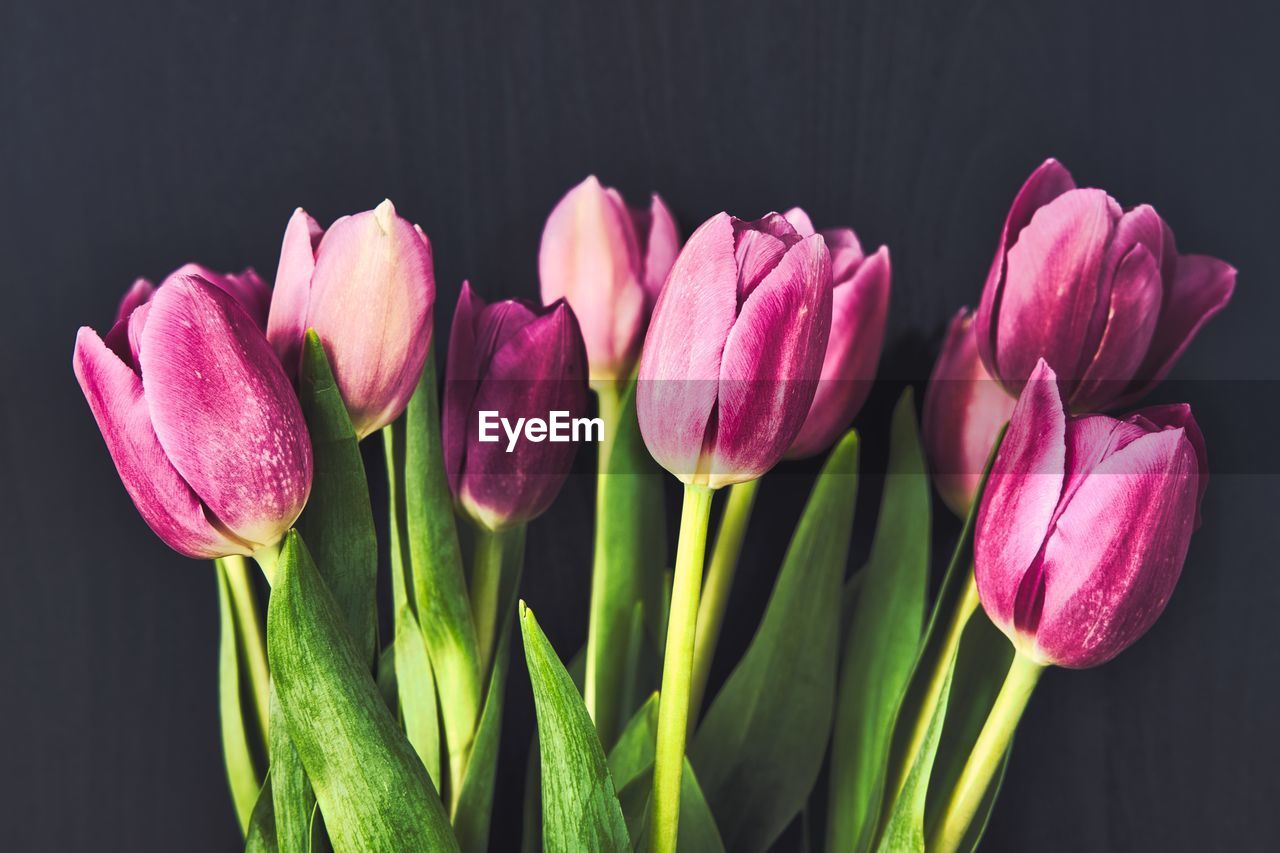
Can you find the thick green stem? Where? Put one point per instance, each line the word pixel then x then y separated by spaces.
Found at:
pixel 486 587
pixel 987 754
pixel 677 668
pixel 266 557
pixel 715 592
pixel 248 623
pixel 609 395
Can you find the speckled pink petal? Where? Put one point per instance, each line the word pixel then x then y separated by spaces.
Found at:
pixel 772 361
pixel 224 411
pixel 245 287
pixel 287 319
pixel 1022 493
pixel 1178 416
pixel 680 363
pixel 1047 182
pixel 162 497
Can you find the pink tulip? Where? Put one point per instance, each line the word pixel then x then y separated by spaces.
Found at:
pixel 367 287
pixel 609 263
pixel 964 409
pixel 200 419
pixel 1099 292
pixel 1085 523
pixel 859 309
pixel 247 288
pixel 735 349
pixel 515 361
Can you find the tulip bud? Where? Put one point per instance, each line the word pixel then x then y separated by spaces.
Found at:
pixel 964 409
pixel 367 287
pixel 735 349
pixel 859 310
pixel 513 361
pixel 1099 292
pixel 609 263
pixel 200 419
pixel 1085 523
pixel 247 288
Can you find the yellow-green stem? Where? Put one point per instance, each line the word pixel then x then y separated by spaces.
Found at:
pixel 252 639
pixel 715 592
pixel 486 584
pixel 988 752
pixel 677 668
pixel 609 394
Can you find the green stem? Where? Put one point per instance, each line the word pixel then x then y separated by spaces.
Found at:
pixel 677 668
pixel 248 623
pixel 609 395
pixel 715 592
pixel 266 557
pixel 498 553
pixel 988 752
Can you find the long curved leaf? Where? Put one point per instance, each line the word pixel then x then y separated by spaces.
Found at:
pixel 760 747
pixel 374 792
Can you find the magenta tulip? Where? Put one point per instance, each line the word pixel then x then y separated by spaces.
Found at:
pixel 964 409
pixel 1085 523
pixel 200 419
pixel 735 349
pixel 509 364
pixel 246 287
pixel 367 287
pixel 609 263
pixel 859 310
pixel 1100 293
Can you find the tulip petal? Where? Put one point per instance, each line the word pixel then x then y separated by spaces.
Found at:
pixel 1195 289
pixel 1025 483
pixel 1053 287
pixel 1178 416
pixel 772 360
pixel 859 310
pixel 287 319
pixel 246 288
pixel 1135 307
pixel 540 369
pixel 371 299
pixel 800 221
pixel 462 374
pixel 162 497
pixel 224 411
pixel 139 294
pixel 680 362
pixel 661 244
pixel 1117 550
pixel 1050 180
pixel 846 253
pixel 756 253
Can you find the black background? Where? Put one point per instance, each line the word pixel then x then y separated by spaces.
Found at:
pixel 135 136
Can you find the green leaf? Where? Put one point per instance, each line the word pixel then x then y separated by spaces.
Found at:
pixel 760 748
pixel 293 801
pixel 238 755
pixel 373 790
pixel 428 537
pixel 580 810
pixel 338 521
pixel 260 837
pixel 531 812
pixel 905 829
pixel 882 644
pixel 416 692
pixel 633 753
pixel 697 830
pixel 630 554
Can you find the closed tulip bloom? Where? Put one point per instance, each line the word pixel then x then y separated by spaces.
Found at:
pixel 859 310
pixel 1100 293
pixel 367 287
pixel 964 409
pixel 200 419
pixel 245 287
pixel 1085 523
pixel 609 262
pixel 735 349
pixel 517 361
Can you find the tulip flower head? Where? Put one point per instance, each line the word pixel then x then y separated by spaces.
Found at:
pixel 964 410
pixel 859 310
pixel 609 262
pixel 245 287
pixel 200 419
pixel 1098 292
pixel 735 349
pixel 367 286
pixel 519 362
pixel 1085 524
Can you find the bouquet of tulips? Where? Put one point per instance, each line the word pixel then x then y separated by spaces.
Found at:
pixel 875 714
